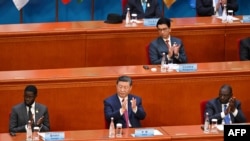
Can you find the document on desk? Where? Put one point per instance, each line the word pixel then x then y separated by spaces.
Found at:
pixel 234 18
pixel 156 133
pixel 53 136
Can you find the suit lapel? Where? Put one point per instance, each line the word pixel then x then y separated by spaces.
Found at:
pixel 129 105
pixel 25 112
pixel 36 112
pixel 218 104
pixel 138 3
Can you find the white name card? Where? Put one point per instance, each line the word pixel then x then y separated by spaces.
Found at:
pixel 187 67
pixel 52 136
pixel 146 132
pixel 246 19
pixel 150 21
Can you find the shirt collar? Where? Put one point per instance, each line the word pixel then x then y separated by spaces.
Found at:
pixel 167 39
pixel 122 98
pixel 32 105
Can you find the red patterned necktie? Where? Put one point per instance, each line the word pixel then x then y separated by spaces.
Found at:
pixel 126 118
pixel 167 44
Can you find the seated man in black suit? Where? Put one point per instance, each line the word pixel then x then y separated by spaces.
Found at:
pixel 210 7
pixel 225 108
pixel 245 49
pixel 143 8
pixel 29 110
pixel 171 46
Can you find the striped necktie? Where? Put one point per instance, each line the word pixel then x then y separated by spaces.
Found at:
pixel 125 114
pixel 227 117
pixel 126 118
pixel 144 5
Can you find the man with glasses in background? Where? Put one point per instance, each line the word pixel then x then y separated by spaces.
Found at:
pixel 165 43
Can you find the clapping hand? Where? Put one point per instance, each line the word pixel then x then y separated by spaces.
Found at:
pixel 176 48
pixel 133 103
pixel 232 104
pixel 124 104
pixel 40 121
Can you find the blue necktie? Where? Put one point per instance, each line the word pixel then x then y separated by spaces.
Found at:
pixel 144 6
pixel 226 118
pixel 220 10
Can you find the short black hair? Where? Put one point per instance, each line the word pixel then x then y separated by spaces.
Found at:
pixel 227 87
pixel 31 88
pixel 164 20
pixel 124 78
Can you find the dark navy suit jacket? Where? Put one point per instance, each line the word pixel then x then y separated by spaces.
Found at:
pixel 245 49
pixel 205 7
pixel 19 117
pixel 214 108
pixel 112 107
pixel 158 46
pixel 152 9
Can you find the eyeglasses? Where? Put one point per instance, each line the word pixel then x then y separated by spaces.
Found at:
pixel 162 29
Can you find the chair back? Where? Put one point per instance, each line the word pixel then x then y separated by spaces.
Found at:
pixel 124 3
pixel 238 48
pixel 202 110
pixel 147 54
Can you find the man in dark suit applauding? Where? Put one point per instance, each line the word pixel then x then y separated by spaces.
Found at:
pixel 124 107
pixel 245 49
pixel 225 108
pixel 143 8
pixel 211 7
pixel 29 110
pixel 171 46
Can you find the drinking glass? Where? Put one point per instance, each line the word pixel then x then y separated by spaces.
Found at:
pixel 118 130
pixel 134 19
pixel 213 128
pixel 230 16
pixel 35 133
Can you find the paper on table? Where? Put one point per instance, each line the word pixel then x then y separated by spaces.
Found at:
pixel 156 132
pixel 42 135
pixel 220 127
pixel 234 18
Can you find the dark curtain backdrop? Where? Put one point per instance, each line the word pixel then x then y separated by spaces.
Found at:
pixel 45 10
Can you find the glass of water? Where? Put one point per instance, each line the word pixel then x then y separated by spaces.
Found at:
pixel 213 128
pixel 118 130
pixel 134 19
pixel 230 16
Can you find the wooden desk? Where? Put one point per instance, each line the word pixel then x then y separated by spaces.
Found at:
pixel 94 135
pixel 95 43
pixel 170 98
pixel 191 133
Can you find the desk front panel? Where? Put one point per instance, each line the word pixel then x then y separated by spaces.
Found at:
pixel 191 133
pixel 94 135
pixel 75 96
pixel 235 32
pixel 95 43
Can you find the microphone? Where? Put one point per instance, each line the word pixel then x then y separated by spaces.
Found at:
pixel 12 133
